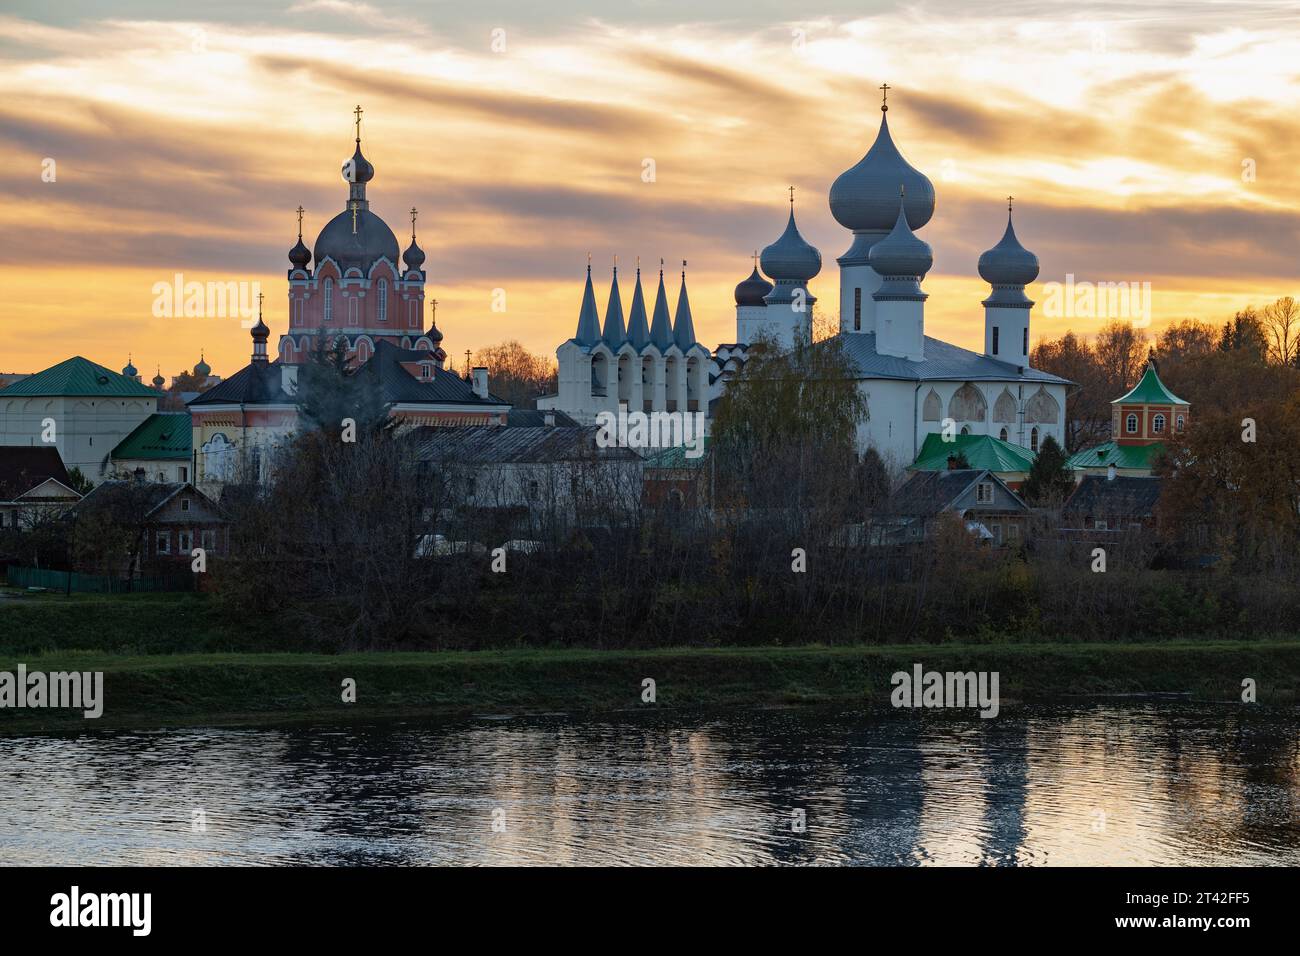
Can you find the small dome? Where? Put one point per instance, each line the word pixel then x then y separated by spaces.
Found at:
pixel 300 255
pixel 435 335
pixel 371 241
pixel 791 258
pixel 1008 263
pixel 865 196
pixel 130 371
pixel 261 330
pixel 202 369
pixel 413 256
pixel 753 290
pixel 358 168
pixel 158 380
pixel 901 253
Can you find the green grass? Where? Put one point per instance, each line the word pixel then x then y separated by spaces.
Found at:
pixel 232 688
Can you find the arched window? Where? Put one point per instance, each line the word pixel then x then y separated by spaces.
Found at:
pixel 1033 439
pixel 1158 424
pixel 329 301
pixel 965 430
pixel 1131 424
pixel 1181 422
pixel 383 300
pixel 1003 434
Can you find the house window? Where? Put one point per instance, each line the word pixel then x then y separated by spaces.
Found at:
pixel 183 473
pixel 1181 422
pixel 1100 525
pixel 1131 424
pixel 1158 424
pixel 185 504
pixel 183 542
pixel 383 300
pixel 532 491
pixel 1013 530
pixel 857 310
pixel 1024 347
pixel 209 540
pixel 984 493
pixel 329 301
pixel 1033 439
pixel 163 544
pixel 1003 434
pixel 995 340
pixel 965 430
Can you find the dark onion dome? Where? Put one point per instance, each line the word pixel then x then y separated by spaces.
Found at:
pixel 435 334
pixel 753 290
pixel 261 330
pixel 202 369
pixel 372 241
pixel 413 257
pixel 158 380
pixel 358 168
pixel 865 196
pixel 901 253
pixel 130 371
pixel 1008 263
pixel 300 255
pixel 791 258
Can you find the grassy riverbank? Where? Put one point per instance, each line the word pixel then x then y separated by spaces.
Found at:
pixel 158 690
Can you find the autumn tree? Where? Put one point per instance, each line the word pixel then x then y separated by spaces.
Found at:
pixel 517 375
pixel 1049 480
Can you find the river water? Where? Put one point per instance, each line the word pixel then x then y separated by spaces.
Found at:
pixel 1154 783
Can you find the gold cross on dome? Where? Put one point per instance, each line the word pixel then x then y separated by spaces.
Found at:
pixel 1008 204
pixel 300 212
pixel 884 101
pixel 357 111
pixel 414 213
pixel 355 207
pixel 260 297
pixel 791 197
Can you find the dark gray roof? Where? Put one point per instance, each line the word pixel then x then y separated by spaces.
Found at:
pixel 145 497
pixel 371 241
pixel 942 362
pixel 1121 497
pixel 258 383
pixel 23 467
pixel 927 493
pixel 488 445
pixel 536 418
pixel 399 385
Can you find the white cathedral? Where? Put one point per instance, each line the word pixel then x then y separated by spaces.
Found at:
pixel 912 382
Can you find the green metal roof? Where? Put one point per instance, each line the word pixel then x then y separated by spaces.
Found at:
pixel 675 457
pixel 79 377
pixel 1149 391
pixel 1121 456
pixel 165 436
pixel 981 451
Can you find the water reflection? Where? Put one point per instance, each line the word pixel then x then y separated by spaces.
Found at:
pixel 1159 784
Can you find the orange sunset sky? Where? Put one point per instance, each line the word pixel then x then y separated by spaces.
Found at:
pixel 1144 142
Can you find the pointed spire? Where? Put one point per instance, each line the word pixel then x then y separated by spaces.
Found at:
pixel 683 326
pixel 615 332
pixel 638 329
pixel 588 319
pixel 661 330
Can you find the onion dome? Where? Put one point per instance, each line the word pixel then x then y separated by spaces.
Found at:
pixel 130 371
pixel 901 253
pixel 435 334
pixel 202 369
pixel 1008 263
pixel 865 196
pixel 791 258
pixel 753 290
pixel 358 169
pixel 413 256
pixel 158 380
pixel 299 255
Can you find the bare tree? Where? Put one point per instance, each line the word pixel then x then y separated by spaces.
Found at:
pixel 1281 322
